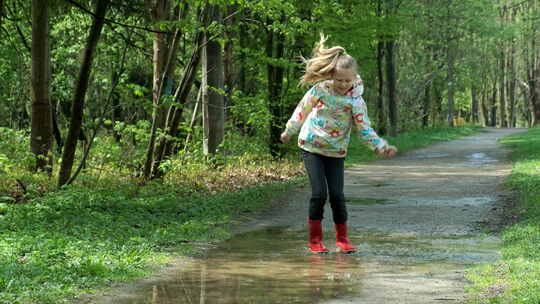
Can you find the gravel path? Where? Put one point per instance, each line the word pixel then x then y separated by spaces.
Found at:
pixel 419 221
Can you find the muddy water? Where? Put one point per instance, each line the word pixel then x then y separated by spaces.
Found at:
pixel 419 221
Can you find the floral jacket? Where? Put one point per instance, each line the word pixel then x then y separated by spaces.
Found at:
pixel 325 120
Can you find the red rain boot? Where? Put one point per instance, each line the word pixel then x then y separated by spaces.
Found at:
pixel 342 241
pixel 315 237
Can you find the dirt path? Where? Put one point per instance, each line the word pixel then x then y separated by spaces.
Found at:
pixel 419 220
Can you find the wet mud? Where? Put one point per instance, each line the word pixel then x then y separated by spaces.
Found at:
pixel 419 220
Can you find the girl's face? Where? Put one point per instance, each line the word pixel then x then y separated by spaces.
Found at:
pixel 343 80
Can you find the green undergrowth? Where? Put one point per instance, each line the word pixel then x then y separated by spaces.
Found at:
pixel 74 240
pixel 515 278
pixel 107 227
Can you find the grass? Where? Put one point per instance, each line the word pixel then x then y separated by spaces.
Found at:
pixel 105 228
pixel 516 277
pixel 74 240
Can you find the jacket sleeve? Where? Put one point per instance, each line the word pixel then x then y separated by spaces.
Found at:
pixel 302 110
pixel 363 125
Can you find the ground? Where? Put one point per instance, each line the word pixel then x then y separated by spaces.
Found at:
pixel 419 221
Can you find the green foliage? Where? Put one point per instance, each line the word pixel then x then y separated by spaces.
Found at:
pixel 81 238
pixel 516 276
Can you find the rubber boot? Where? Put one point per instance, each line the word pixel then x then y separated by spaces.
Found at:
pixel 342 241
pixel 315 237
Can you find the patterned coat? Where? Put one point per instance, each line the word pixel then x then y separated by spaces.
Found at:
pixel 325 120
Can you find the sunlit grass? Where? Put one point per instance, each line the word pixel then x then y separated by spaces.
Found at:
pixel 516 277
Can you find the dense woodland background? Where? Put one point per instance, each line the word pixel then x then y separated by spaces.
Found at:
pixel 160 84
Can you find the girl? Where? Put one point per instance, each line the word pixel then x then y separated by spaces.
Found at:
pixel 324 118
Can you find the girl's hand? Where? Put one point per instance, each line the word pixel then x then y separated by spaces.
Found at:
pixel 285 137
pixel 390 151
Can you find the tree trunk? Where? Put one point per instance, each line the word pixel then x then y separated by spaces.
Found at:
pixel 484 109
pixel 164 149
pixel 242 64
pixel 80 92
pixel 391 84
pixel 41 133
pixel 56 129
pixel 438 84
pixel 493 109
pixel 212 100
pixel 380 97
pixel 512 90
pixel 426 106
pixel 502 94
pixel 451 85
pixel 275 82
pixel 228 70
pixel 164 65
pixel 160 12
pixel 1 12
pixel 535 100
pixel 474 104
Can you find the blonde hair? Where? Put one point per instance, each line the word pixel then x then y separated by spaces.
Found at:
pixel 325 61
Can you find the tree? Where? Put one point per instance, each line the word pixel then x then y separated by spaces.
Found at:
pixel 212 88
pixel 79 94
pixel 41 133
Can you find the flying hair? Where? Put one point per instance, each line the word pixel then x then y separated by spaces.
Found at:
pixel 325 61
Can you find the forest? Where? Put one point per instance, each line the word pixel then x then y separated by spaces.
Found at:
pixel 117 101
pixel 167 78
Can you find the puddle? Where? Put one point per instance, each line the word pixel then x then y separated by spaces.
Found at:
pixel 429 155
pixel 478 159
pixel 460 202
pixel 431 251
pixel 369 201
pixel 273 266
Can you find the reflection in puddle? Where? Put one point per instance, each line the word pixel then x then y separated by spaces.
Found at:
pixel 430 155
pixel 479 159
pixel 273 266
pixel 269 266
pixel 370 201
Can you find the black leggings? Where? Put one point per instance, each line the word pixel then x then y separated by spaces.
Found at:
pixel 326 173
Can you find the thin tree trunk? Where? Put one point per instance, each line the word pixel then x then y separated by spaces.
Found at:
pixel 174 115
pixel 426 106
pixel 212 100
pixel 275 48
pixel 438 98
pixel 228 70
pixel 41 133
pixel 451 84
pixel 192 121
pixel 242 61
pixel 493 109
pixel 380 97
pixel 56 129
pixel 80 92
pixel 512 89
pixel 160 12
pixel 391 84
pixel 535 100
pixel 474 104
pixel 484 110
pixel 502 94
pixel 1 12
